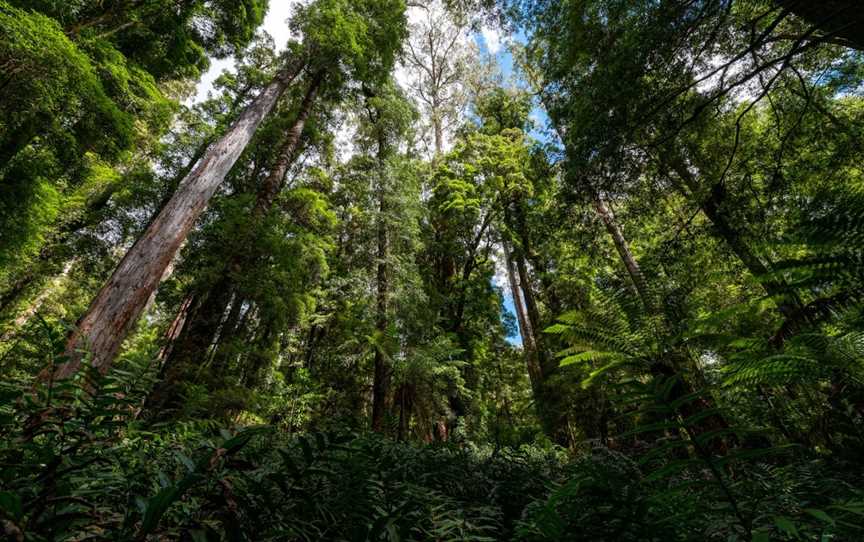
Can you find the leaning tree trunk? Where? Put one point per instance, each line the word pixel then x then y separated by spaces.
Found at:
pixel 713 208
pixel 200 331
pixel 121 300
pixel 287 154
pixel 841 20
pixel 623 248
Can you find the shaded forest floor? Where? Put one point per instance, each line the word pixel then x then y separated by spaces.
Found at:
pixel 85 464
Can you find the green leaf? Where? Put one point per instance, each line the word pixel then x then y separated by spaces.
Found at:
pixel 786 525
pixel 11 504
pixel 820 515
pixel 157 506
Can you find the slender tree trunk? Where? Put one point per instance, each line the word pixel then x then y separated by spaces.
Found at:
pixel 540 366
pixel 190 349
pixel 623 248
pixel 528 252
pixel 671 366
pixel 712 206
pixel 406 406
pixel 381 379
pixel 108 16
pixel 118 305
pixel 223 345
pixel 175 329
pixel 532 312
pixel 276 179
pixel 534 372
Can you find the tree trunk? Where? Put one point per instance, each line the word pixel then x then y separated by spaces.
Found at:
pixel 176 327
pixel 406 406
pixel 223 350
pixel 623 248
pixel 380 383
pixel 842 20
pixel 439 136
pixel 110 15
pixel 533 313
pixel 712 206
pixel 276 179
pixel 190 349
pixel 118 305
pixel 534 372
pixel 528 252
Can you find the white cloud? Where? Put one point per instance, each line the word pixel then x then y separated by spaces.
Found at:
pixel 492 38
pixel 276 21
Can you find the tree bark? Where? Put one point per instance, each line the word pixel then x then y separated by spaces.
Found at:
pixel 839 19
pixel 535 374
pixel 380 382
pixel 176 327
pixel 118 305
pixel 623 248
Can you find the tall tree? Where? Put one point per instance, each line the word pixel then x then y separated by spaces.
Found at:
pixel 361 37
pixel 438 57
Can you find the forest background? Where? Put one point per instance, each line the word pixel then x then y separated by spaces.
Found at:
pixel 445 270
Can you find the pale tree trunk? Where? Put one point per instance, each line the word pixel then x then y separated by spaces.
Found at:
pixel 534 371
pixel 608 218
pixel 122 299
pixel 532 313
pixel 199 332
pixel 439 135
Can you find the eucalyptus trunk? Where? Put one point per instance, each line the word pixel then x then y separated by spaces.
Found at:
pixel 119 304
pixel 623 247
pixel 201 330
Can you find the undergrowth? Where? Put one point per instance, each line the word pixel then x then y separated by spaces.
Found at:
pixel 78 464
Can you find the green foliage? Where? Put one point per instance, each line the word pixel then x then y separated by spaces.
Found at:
pixel 77 463
pixel 361 37
pixel 48 80
pixel 725 402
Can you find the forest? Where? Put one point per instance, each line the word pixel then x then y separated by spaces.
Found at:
pixel 432 270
